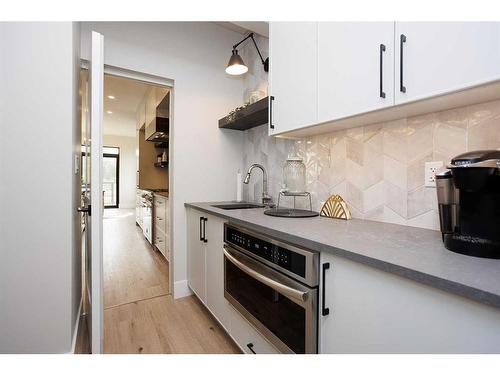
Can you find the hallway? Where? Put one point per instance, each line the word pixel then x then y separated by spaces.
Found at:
pixel 140 315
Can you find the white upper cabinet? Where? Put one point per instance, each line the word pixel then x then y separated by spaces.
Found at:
pixel 355 68
pixel 442 57
pixel 293 75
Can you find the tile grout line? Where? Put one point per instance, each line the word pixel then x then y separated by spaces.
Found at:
pixel 139 300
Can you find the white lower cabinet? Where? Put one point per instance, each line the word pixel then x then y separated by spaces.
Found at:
pixel 206 279
pixel 161 237
pixel 196 254
pixel 371 311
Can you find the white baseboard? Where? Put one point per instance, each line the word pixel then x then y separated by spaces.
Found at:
pixel 77 327
pixel 181 289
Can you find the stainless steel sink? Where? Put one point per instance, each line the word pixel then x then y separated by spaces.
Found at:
pixel 237 206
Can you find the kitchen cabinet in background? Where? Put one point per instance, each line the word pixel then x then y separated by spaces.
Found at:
pixel 161 234
pixel 153 98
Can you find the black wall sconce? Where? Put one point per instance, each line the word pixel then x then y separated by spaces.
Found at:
pixel 236 66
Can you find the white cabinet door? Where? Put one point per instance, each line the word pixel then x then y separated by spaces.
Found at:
pixel 216 302
pixel 441 57
pixel 371 311
pixel 196 253
pixel 355 68
pixel 292 75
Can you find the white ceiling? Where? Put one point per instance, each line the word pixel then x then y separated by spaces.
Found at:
pixel 128 94
pixel 261 28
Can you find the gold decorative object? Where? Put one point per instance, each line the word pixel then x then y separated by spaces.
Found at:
pixel 335 207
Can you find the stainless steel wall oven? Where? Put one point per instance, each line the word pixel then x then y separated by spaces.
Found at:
pixel 274 285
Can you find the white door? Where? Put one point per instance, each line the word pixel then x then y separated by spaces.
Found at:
pixel 93 208
pixel 292 75
pixel 441 57
pixel 355 68
pixel 196 253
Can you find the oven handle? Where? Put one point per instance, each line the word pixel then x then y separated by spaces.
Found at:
pixel 286 290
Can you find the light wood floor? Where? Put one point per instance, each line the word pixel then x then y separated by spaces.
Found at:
pixel 132 269
pixel 140 316
pixel 164 325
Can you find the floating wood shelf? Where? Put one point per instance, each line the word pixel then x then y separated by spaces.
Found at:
pixel 163 164
pixel 249 117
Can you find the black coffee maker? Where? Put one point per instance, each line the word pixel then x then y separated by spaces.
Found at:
pixel 469 204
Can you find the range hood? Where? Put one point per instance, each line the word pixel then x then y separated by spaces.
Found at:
pixel 157 129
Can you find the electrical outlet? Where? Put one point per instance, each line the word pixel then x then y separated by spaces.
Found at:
pixel 431 167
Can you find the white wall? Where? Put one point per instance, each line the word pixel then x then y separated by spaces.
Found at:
pixel 39 264
pixel 205 159
pixel 128 167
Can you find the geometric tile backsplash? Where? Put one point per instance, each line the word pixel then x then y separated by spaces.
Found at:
pixel 378 169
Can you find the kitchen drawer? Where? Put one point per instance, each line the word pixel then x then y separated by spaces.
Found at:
pixel 161 241
pixel 160 201
pixel 160 220
pixel 248 338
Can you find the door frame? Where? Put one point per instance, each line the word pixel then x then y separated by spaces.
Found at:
pixel 155 80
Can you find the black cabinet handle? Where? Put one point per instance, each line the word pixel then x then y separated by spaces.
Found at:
pixel 250 346
pixel 201 228
pixel 271 99
pixel 382 50
pixel 324 310
pixel 402 39
pixel 205 230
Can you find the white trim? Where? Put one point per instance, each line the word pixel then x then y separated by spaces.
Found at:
pixel 181 289
pixel 116 71
pixel 96 242
pixel 77 327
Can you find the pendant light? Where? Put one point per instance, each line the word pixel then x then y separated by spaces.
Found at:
pixel 236 66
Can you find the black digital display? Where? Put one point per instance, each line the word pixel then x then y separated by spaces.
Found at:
pixel 289 260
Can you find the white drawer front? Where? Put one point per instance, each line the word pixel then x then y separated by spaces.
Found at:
pixel 248 338
pixel 161 242
pixel 160 220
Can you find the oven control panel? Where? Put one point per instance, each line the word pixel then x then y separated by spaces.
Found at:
pixel 266 249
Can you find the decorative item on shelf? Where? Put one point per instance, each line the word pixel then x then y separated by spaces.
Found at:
pixel 158 158
pixel 233 114
pixel 335 207
pixel 294 175
pixel 246 116
pixel 164 156
pixel 255 96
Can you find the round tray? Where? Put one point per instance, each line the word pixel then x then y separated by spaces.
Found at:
pixel 290 212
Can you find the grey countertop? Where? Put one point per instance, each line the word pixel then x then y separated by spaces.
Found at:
pixel 414 253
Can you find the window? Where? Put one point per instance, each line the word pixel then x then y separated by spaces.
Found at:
pixel 110 175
